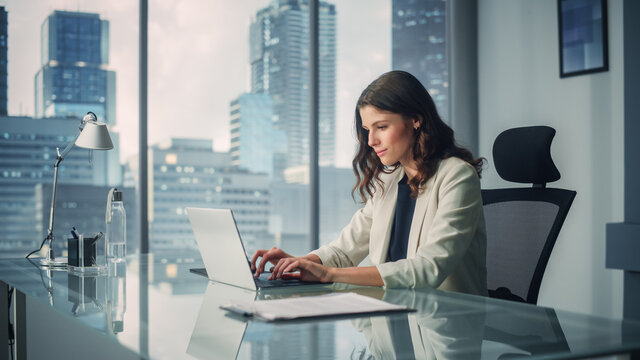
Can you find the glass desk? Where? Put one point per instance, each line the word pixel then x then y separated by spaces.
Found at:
pixel 157 310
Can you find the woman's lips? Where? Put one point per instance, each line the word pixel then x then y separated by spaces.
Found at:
pixel 381 152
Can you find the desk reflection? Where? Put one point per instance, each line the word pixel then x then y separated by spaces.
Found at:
pixel 437 330
pixel 116 295
pixel 217 335
pixel 434 331
pixel 97 300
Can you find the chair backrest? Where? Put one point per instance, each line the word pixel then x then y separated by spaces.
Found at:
pixel 523 223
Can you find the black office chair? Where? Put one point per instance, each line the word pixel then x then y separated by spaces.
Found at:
pixel 523 223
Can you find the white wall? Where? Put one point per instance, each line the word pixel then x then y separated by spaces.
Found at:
pixel 519 85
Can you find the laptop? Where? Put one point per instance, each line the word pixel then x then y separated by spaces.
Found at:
pixel 223 253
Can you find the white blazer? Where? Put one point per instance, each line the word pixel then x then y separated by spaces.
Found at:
pixel 447 241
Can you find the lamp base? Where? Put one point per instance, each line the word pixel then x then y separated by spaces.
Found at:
pixel 53 263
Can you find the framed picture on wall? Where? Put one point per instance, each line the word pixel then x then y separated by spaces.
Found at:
pixel 582 28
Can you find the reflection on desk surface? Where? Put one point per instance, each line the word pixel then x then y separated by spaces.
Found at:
pixel 97 300
pixel 437 330
pixel 164 315
pixel 216 335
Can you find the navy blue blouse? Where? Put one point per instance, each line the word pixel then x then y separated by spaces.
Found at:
pixel 405 207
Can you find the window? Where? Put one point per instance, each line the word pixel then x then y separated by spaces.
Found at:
pixel 69 61
pixel 231 103
pixel 362 53
pixel 228 109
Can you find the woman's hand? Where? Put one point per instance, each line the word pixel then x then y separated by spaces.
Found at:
pixel 301 268
pixel 273 255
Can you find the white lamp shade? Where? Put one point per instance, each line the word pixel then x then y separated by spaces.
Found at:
pixel 95 136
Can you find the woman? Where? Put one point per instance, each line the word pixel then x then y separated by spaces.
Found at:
pixel 422 223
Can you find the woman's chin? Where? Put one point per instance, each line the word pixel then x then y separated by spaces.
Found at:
pixel 387 162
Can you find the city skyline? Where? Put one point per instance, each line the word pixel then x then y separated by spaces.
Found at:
pixel 279 57
pixel 420 46
pixel 171 71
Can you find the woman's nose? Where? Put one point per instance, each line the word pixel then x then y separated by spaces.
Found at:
pixel 372 139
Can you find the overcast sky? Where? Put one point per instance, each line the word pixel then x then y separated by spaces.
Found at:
pixel 198 62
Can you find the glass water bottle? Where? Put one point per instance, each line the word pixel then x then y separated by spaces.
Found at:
pixel 116 221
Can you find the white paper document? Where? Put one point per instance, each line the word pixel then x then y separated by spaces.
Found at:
pixel 311 306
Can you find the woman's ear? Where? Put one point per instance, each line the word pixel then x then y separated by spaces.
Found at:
pixel 417 120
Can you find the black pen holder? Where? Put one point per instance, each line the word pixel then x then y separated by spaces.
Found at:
pixel 86 254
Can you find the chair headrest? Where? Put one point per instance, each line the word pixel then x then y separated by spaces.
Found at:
pixel 523 155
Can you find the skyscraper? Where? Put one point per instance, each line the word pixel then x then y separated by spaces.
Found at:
pixel 74 78
pixel 3 60
pixel 279 57
pixel 419 46
pixel 254 140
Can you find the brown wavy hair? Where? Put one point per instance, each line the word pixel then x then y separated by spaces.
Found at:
pixel 401 93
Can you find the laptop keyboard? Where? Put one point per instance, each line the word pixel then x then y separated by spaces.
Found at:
pixel 264 282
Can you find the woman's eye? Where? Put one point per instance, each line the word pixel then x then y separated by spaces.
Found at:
pixel 381 127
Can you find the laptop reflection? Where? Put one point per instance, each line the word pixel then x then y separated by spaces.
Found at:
pixel 217 334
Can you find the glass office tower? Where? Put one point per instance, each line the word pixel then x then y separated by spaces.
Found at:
pixel 255 142
pixel 279 56
pixel 74 78
pixel 419 46
pixel 74 75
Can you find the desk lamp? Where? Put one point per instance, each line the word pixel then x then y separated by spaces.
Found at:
pixel 93 135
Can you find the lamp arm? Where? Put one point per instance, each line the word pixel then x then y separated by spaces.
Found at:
pixel 53 195
pixel 68 148
pixel 60 156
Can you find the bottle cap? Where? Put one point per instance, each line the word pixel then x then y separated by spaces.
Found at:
pixel 117 195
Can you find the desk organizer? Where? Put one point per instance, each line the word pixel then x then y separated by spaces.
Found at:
pixel 87 254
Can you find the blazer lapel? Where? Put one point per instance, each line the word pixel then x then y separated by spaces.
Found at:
pixel 383 220
pixel 417 222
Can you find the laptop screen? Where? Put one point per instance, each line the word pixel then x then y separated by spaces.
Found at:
pixel 220 246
